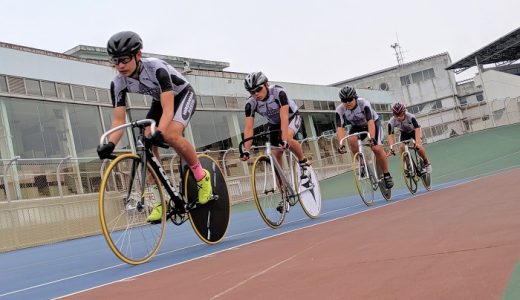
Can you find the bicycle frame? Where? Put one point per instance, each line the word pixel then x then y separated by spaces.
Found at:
pixel 413 162
pixel 143 150
pixel 373 172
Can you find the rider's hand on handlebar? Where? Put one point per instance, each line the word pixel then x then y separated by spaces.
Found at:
pixel 390 153
pixel 373 142
pixel 105 150
pixel 245 156
pixel 284 144
pixel 342 149
pixel 157 138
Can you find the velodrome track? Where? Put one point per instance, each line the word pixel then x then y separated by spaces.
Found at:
pixel 459 241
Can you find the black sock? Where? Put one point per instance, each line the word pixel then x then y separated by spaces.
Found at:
pixel 386 174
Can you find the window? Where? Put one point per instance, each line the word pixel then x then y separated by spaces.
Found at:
pixel 480 97
pixel 463 101
pixel 316 105
pixel 207 101
pixel 405 80
pixel 417 77
pixel 3 84
pixel 49 89
pixel 232 102
pixel 64 91
pixel 428 74
pixel 91 94
pixel 220 101
pixel 33 87
pixel 77 93
pixel 103 96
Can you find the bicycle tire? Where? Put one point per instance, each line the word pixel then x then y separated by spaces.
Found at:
pixel 210 221
pixel 386 193
pixel 409 177
pixel 123 221
pixel 267 197
pixel 426 177
pixel 362 180
pixel 310 199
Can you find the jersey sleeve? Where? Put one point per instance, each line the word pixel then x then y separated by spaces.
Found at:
pixel 165 82
pixel 415 123
pixel 284 100
pixel 368 112
pixel 250 109
pixel 118 95
pixel 390 128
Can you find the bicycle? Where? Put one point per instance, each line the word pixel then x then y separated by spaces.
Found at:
pixel 368 176
pixel 126 199
pixel 412 167
pixel 274 193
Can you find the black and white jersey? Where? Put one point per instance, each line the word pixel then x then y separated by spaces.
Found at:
pixel 358 117
pixel 407 125
pixel 155 77
pixel 270 108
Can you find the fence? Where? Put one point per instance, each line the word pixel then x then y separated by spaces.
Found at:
pixel 49 200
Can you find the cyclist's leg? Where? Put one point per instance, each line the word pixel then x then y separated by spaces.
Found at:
pixel 422 153
pixel 184 108
pixel 294 145
pixel 155 215
pixel 380 154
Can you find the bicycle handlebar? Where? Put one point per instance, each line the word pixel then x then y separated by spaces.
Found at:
pixel 252 137
pixel 355 134
pixel 412 141
pixel 131 124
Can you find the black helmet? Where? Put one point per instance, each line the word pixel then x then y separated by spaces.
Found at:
pixel 254 80
pixel 124 43
pixel 347 93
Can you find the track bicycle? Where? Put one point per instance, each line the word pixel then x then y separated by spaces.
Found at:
pixel 412 166
pixel 275 192
pixel 368 176
pixel 126 198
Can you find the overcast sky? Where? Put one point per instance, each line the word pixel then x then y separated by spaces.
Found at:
pixel 319 42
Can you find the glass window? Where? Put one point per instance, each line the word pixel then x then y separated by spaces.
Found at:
pixel 33 87
pixel 40 127
pixel 136 99
pixel 405 80
pixel 428 74
pixel 417 77
pixel 106 113
pixel 3 84
pixel 91 94
pixel 77 92
pixel 220 101
pixel 64 91
pixel 207 101
pixel 103 96
pixel 331 105
pixel 49 89
pixel 86 129
pixel 324 122
pixel 232 102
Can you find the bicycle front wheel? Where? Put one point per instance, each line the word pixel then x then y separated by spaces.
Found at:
pixel 123 209
pixel 269 192
pixel 362 179
pixel 408 173
pixel 425 176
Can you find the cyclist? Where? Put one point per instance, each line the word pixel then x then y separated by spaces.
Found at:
pixel 358 113
pixel 172 106
pixel 410 129
pixel 272 102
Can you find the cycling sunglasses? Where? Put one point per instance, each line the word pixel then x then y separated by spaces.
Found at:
pixel 256 89
pixel 120 60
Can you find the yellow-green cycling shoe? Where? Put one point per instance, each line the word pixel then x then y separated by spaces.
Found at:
pixel 205 188
pixel 156 214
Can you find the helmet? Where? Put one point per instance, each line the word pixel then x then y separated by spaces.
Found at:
pixel 254 80
pixel 398 108
pixel 347 93
pixel 124 43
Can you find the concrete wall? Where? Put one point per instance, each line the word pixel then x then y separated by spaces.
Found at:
pixel 499 85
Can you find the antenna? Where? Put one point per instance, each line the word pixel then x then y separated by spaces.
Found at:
pixel 398 52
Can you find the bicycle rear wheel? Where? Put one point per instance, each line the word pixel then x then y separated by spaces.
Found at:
pixel 123 210
pixel 362 179
pixel 269 192
pixel 385 192
pixel 425 176
pixel 209 221
pixel 408 173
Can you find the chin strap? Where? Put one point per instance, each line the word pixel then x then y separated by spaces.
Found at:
pixel 137 71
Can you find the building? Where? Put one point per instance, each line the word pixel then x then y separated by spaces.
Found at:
pixel 55 106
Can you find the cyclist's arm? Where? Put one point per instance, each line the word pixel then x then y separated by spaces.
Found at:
pixel 284 115
pixel 340 130
pixel 391 136
pixel 118 118
pixel 371 123
pixel 248 132
pixel 167 98
pixel 417 132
